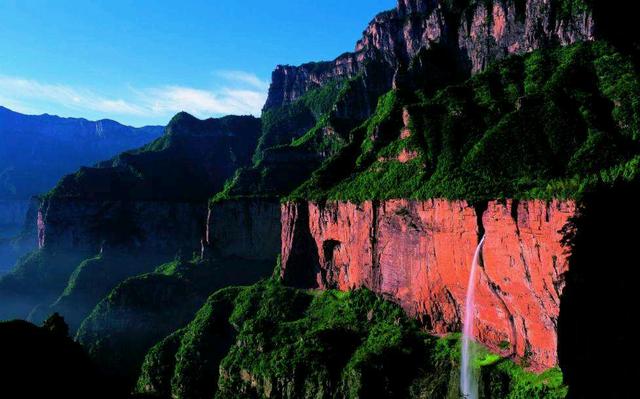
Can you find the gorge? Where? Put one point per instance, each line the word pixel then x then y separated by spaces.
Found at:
pixel 331 247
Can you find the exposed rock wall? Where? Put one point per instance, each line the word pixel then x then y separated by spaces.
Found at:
pixel 479 33
pixel 246 228
pixel 85 225
pixel 419 254
pixel 16 241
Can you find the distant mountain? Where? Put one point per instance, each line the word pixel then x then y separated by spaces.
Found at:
pixel 125 216
pixel 36 151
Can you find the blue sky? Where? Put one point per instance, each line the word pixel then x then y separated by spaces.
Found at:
pixel 140 62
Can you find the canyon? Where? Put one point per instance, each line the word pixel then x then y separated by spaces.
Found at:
pixel 126 216
pixel 374 177
pixel 419 253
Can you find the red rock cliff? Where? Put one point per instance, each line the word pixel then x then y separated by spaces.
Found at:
pixel 419 254
pixel 479 33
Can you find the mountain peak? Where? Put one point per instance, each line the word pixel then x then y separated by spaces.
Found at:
pixel 477 33
pixel 407 7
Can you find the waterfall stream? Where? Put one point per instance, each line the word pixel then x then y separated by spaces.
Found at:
pixel 468 377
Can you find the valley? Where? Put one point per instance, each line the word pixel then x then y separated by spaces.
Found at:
pixel 324 250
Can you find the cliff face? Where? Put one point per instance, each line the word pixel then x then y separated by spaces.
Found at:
pixel 243 228
pixel 126 216
pixel 73 225
pixel 419 254
pixel 21 235
pixel 152 198
pixel 478 32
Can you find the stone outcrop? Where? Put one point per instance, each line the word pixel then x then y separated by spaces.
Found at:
pixel 19 236
pixel 419 254
pixel 86 225
pixel 245 228
pixel 478 33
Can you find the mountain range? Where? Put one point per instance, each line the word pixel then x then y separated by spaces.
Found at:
pixel 38 150
pixel 325 249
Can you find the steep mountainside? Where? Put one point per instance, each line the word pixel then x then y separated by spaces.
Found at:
pixel 134 212
pixel 425 44
pixel 557 123
pixel 477 32
pixel 270 341
pixel 37 151
pixel 453 120
pixel 144 309
pixel 419 254
pixel 485 101
pixel 548 124
pixel 20 238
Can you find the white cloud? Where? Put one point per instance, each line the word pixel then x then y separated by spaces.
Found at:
pixel 21 90
pixel 241 94
pixel 172 99
pixel 245 78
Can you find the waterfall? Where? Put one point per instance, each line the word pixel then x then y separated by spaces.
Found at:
pixel 468 379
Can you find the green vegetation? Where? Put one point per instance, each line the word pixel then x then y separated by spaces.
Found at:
pixel 549 124
pixel 268 340
pixel 93 279
pixel 141 310
pixel 186 362
pixel 280 161
pixel 506 380
pixel 567 9
pixel 190 162
pixel 297 137
pixel 36 281
pixel 327 136
pixel 283 125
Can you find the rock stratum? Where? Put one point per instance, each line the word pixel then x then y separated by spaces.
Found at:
pixel 477 32
pixel 126 216
pixel 419 254
pixel 245 228
pixel 459 99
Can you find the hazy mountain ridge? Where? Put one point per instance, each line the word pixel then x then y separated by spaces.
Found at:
pixel 37 150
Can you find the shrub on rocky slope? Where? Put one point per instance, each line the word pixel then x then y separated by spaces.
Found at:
pixel 268 340
pixel 141 310
pixel 545 125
